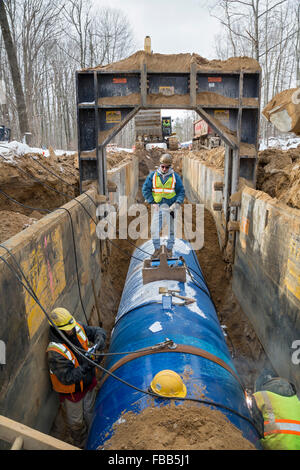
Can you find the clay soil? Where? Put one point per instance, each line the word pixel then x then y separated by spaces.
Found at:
pixel 178 63
pixel 23 179
pixel 278 175
pixel 184 427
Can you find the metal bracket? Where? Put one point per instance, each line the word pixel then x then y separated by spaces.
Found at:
pixel 163 271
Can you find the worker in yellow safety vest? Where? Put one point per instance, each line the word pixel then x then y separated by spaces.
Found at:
pixel 72 375
pixel 164 190
pixel 277 404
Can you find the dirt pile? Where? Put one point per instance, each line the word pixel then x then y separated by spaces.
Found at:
pixel 214 157
pixel 184 427
pixel 178 63
pixel 117 158
pixel 278 175
pixel 28 179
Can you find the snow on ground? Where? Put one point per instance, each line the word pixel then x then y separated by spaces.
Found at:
pixel 280 143
pixel 10 150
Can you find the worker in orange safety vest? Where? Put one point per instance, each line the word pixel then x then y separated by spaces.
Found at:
pixel 72 375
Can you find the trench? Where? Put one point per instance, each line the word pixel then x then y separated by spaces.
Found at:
pixel 247 352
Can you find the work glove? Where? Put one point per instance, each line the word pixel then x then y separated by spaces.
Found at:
pixel 86 367
pixel 174 207
pixel 100 339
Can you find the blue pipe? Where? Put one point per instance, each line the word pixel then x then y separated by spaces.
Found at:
pixel 142 322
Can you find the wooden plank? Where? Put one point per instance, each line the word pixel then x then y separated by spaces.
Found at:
pixel 32 439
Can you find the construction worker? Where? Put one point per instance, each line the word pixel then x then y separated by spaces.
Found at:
pixel 276 412
pixel 163 189
pixel 72 376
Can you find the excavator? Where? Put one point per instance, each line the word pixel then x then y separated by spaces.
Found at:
pixel 283 111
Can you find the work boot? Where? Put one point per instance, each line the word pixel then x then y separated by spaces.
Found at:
pixel 156 253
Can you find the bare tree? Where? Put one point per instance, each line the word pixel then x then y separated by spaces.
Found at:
pixel 265 30
pixel 15 71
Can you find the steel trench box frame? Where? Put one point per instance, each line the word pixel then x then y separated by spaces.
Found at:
pixel 100 110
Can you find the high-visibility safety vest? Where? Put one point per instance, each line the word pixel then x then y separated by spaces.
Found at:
pixel 281 420
pixel 160 190
pixel 68 354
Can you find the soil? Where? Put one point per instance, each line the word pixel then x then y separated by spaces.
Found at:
pixel 278 175
pixel 22 178
pixel 184 427
pixel 178 63
pixel 203 99
pixel 13 222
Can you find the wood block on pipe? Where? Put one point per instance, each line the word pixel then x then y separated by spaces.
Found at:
pixel 217 206
pixel 233 226
pixel 218 186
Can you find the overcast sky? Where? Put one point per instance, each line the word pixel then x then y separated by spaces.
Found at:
pixel 175 26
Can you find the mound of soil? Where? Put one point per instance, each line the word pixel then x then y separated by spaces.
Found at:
pixel 178 63
pixel 28 179
pixel 183 427
pixel 278 175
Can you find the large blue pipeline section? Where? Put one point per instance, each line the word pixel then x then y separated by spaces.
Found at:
pixel 199 355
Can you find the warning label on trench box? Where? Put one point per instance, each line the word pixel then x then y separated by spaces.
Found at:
pixel 222 114
pixel 113 116
pixel 166 90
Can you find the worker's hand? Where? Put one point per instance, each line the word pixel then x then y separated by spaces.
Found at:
pixel 86 367
pixel 174 207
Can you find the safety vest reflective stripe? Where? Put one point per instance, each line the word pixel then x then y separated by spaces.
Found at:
pixel 60 348
pixel 285 426
pixel 80 332
pixel 159 187
pixel 281 420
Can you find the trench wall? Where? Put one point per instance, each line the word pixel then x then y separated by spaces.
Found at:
pixel 266 270
pixel 199 179
pixel 45 252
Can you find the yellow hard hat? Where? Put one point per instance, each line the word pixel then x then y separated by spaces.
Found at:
pixel 62 318
pixel 168 384
pixel 166 158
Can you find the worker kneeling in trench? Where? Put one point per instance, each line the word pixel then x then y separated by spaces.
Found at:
pixel 72 376
pixel 276 412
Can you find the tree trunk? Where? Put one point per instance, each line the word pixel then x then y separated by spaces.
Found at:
pixel 15 71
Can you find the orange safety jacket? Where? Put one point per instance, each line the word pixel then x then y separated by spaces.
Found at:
pixel 62 349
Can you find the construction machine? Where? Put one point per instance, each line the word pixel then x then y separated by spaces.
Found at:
pixel 204 136
pixel 151 128
pixel 283 111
